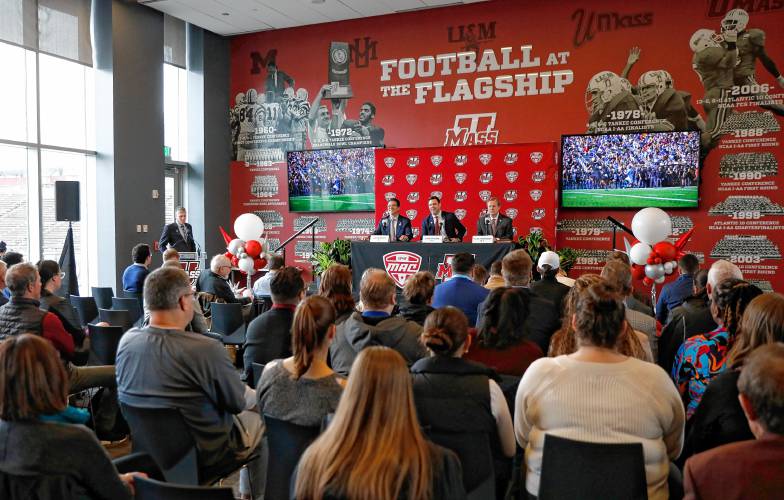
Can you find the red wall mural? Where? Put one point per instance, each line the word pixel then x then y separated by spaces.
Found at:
pixel 508 72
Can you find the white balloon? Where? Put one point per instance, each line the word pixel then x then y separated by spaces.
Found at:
pixel 668 267
pixel 654 271
pixel 660 280
pixel 246 265
pixel 651 225
pixel 243 255
pixel 234 246
pixel 639 253
pixel 248 226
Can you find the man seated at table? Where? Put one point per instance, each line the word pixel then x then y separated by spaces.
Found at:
pixel 394 223
pixel 495 223
pixel 441 223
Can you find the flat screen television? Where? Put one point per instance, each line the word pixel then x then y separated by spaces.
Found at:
pixel 332 180
pixel 647 169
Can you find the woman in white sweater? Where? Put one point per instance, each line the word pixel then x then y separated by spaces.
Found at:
pixel 598 395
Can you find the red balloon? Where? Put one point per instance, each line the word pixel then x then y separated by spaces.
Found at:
pixel 647 281
pixel 259 264
pixel 234 261
pixel 228 254
pixel 638 272
pixel 652 259
pixel 665 250
pixel 657 260
pixel 253 249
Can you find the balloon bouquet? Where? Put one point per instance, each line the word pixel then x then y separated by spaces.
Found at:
pixel 652 256
pixel 246 251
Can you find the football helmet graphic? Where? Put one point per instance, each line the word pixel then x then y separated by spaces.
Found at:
pixel 239 98
pixel 703 39
pixel 667 78
pixel 251 96
pixel 651 85
pixel 735 20
pixel 602 88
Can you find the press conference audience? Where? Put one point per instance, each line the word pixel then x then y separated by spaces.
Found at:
pixel 597 394
pixel 171 254
pixel 269 335
pixel 418 292
pixel 336 286
pixel 261 288
pixel 549 287
pixel 303 389
pixel 374 446
pixel 619 276
pixel 702 357
pixel 11 259
pixel 215 281
pixel 495 279
pixel 673 294
pixel 502 337
pixel 40 458
pixel 719 418
pixel 3 288
pixel 749 469
pixel 51 281
pixel 633 301
pixel 460 290
pixel 479 274
pixel 133 276
pixel 375 325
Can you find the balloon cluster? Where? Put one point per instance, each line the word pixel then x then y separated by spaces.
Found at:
pixel 245 251
pixel 652 256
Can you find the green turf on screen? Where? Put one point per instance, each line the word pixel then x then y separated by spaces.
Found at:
pixel 675 197
pixel 363 202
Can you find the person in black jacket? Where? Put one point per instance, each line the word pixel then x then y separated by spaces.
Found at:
pixel 549 287
pixel 445 224
pixel 418 292
pixel 215 281
pixel 269 335
pixel 51 280
pixel 178 235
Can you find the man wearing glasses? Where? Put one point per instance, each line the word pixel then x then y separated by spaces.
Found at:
pixel 215 281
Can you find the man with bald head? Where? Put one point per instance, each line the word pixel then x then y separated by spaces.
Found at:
pixel 375 325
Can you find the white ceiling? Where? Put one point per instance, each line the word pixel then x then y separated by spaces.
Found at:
pixel 232 17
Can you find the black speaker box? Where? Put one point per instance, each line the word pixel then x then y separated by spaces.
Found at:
pixel 66 200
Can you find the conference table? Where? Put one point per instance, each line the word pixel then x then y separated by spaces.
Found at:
pixel 401 260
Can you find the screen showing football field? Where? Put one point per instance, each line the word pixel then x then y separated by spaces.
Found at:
pixel 334 180
pixel 630 170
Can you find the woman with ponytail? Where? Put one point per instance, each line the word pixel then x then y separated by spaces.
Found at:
pixel 303 389
pixel 596 394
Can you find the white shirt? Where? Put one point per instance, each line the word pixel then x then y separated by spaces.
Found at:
pixel 440 219
pixel 261 288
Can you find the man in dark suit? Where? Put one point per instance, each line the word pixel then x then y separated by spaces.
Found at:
pixel 441 223
pixel 495 223
pixel 461 291
pixel 395 223
pixel 748 469
pixel 178 235
pixel 543 318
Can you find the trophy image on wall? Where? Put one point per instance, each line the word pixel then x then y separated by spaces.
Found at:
pixel 338 71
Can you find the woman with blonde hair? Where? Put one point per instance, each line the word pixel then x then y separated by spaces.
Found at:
pixel 374 448
pixel 335 285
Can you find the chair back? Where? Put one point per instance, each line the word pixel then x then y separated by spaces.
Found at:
pixel 103 296
pixel 473 450
pixel 104 341
pixel 18 487
pixel 131 305
pixel 116 317
pixel 287 442
pixel 150 489
pixel 86 309
pixel 226 318
pixel 579 470
pixel 257 368
pixel 163 434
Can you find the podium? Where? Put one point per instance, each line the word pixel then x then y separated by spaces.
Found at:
pixel 193 263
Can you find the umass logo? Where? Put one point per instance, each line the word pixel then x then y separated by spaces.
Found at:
pixel 388 180
pixel 485 177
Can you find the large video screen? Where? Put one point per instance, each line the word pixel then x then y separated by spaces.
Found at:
pixel 630 170
pixel 332 180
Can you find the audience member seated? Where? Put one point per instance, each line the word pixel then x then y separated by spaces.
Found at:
pixel 633 301
pixel 11 259
pixel 418 292
pixel 495 280
pixel 719 418
pixel 375 325
pixel 599 395
pixel 673 294
pixel 455 396
pixel 3 288
pixel 543 319
pixel 619 276
pixel 133 276
pixel 702 357
pixel 630 343
pixel 374 448
pixel 479 274
pixel 171 255
pixel 51 281
pixel 748 469
pixel 215 281
pixel 460 290
pixel 692 316
pixel 549 287
pixel 303 389
pixel 502 341
pixel 22 314
pixel 163 366
pixel 33 389
pixel 199 323
pixel 269 335
pixel 261 288
pixel 336 287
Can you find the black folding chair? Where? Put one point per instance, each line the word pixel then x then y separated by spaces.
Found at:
pixel 104 341
pixel 150 489
pixel 287 442
pixel 227 320
pixel 257 368
pixel 116 317
pixel 131 305
pixel 580 470
pixel 103 296
pixel 86 309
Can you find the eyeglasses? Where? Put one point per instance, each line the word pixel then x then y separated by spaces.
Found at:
pixel 61 275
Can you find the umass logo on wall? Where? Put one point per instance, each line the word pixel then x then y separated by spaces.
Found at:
pixel 461 177
pixel 413 161
pixel 512 175
pixel 485 158
pixel 411 214
pixel 436 160
pixel 389 161
pixel 413 196
pixel 510 158
pixel 388 180
pixel 461 160
pixel 538 176
pixel 485 177
pixel 460 213
pixel 389 195
pixel 436 179
pixel 485 195
pixel 411 178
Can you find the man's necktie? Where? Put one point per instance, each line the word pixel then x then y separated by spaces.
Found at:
pixel 393 230
pixel 183 233
pixel 438 225
pixel 492 226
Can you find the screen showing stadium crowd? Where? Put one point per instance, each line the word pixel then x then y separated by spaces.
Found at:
pixel 647 160
pixel 331 172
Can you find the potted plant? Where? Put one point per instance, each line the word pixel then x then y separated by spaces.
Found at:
pixel 335 252
pixel 568 257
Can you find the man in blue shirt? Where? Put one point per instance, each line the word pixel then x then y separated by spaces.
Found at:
pixel 133 276
pixel 461 291
pixel 673 294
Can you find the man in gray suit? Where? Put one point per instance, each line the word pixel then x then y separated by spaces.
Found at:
pixel 495 223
